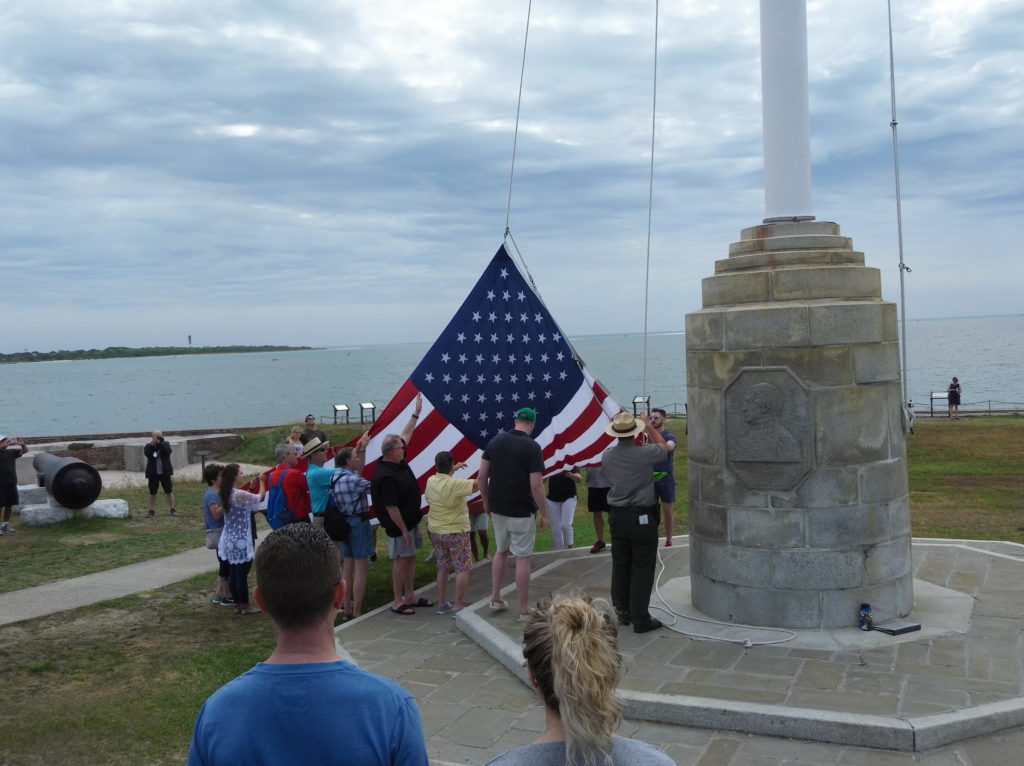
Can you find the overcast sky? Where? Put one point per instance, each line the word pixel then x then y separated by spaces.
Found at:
pixel 334 173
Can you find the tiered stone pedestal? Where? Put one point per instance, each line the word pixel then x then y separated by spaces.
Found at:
pixel 797 457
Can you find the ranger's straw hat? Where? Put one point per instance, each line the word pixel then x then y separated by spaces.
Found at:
pixel 313 445
pixel 624 424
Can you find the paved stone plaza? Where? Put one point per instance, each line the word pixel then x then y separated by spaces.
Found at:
pixel 474 707
pixel 893 694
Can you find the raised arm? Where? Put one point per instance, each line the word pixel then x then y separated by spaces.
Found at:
pixel 653 433
pixel 407 431
pixel 358 461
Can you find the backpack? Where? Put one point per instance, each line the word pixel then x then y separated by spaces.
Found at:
pixel 335 524
pixel 278 512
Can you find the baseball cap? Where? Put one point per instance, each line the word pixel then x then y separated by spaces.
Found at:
pixel 526 413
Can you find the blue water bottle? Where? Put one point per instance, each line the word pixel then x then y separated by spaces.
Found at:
pixel 866 623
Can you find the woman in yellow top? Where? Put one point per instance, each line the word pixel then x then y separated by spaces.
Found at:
pixel 448 524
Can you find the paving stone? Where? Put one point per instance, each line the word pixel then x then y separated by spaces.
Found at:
pixel 683 754
pixel 719 752
pixel 665 734
pixel 820 675
pixel 846 702
pixel 426 676
pixel 999 749
pixel 533 719
pixel 913 653
pixel 862 756
pixel 707 654
pixel 718 692
pixel 640 684
pixel 737 680
pixel 859 682
pixel 442 711
pixel 769 666
pixel 480 727
pixel 912 707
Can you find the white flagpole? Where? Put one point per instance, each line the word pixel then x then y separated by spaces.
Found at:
pixel 784 92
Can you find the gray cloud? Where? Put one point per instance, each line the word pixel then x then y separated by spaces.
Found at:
pixel 191 167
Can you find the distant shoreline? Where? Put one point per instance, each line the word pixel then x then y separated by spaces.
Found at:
pixel 125 352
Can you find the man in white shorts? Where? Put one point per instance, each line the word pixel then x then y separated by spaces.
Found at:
pixel 512 488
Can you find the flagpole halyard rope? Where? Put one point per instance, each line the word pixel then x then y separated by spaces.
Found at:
pixel 650 202
pixel 519 102
pixel 904 269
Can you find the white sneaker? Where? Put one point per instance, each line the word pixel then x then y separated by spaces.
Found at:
pixel 5 528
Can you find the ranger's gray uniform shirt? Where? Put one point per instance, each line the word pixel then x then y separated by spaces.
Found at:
pixel 629 469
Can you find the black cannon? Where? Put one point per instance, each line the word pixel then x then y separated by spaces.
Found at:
pixel 71 482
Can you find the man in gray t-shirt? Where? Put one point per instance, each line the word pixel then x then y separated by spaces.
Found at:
pixel 633 517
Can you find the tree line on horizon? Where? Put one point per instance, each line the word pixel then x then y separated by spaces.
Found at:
pixel 115 352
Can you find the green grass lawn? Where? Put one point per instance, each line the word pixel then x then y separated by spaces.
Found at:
pixel 120 682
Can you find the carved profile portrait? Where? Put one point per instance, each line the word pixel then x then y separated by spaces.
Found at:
pixel 767 427
pixel 766 438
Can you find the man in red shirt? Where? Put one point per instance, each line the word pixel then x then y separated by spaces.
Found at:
pixel 294 483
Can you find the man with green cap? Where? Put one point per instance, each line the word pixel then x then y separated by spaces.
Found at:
pixel 512 490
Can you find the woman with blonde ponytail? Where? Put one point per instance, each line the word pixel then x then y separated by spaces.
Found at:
pixel 571 655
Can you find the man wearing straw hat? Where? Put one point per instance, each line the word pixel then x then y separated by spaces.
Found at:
pixel 318 478
pixel 633 517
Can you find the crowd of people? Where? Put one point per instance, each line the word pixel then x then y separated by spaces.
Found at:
pixel 308 574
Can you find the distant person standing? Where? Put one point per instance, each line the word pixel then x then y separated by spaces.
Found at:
pixel 561 499
pixel 953 392
pixel 665 480
pixel 312 432
pixel 633 517
pixel 597 503
pixel 512 489
pixel 159 471
pixel 9 478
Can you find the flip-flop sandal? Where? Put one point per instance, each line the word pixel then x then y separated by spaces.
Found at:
pixel 403 609
pixel 422 602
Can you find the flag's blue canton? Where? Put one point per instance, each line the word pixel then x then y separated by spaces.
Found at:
pixel 502 351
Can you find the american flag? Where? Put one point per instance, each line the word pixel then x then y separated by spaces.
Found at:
pixel 502 351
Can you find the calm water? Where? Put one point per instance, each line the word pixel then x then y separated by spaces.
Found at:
pixel 233 390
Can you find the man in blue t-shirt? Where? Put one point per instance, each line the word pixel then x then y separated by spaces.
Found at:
pixel 304 704
pixel 665 487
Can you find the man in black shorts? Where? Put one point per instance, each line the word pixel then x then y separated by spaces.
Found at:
pixel 159 471
pixel 597 503
pixel 9 478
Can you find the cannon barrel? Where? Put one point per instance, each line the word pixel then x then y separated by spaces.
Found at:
pixel 71 482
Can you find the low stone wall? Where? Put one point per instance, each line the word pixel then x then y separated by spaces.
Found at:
pixel 114 453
